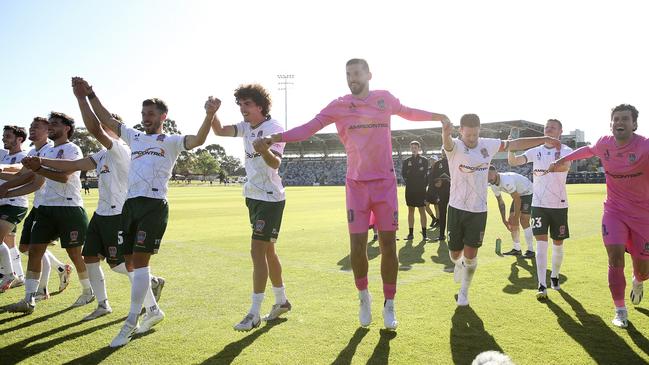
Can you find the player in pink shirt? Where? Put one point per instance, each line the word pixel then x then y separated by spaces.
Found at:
pixel 625 224
pixel 363 123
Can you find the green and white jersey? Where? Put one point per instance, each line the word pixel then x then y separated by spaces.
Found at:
pixel 469 168
pixel 112 172
pixel 549 187
pixel 63 194
pixel 7 159
pixel 152 158
pixel 263 182
pixel 38 194
pixel 511 182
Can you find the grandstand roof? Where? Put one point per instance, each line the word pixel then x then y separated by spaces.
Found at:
pixel 430 138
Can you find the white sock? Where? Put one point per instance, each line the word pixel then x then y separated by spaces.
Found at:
pixel 257 299
pixel 84 280
pixel 280 294
pixel 557 259
pixel 454 261
pixel 149 301
pixel 469 267
pixel 516 237
pixel 31 286
pixel 529 238
pixel 120 269
pixel 97 281
pixel 141 284
pixel 17 264
pixel 5 259
pixel 54 261
pixel 46 269
pixel 542 261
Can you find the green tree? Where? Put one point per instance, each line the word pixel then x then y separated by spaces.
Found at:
pixel 230 164
pixel 185 164
pixel 85 141
pixel 206 164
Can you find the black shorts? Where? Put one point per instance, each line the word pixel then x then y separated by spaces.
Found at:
pixel 68 224
pixel 437 196
pixel 465 228
pixel 28 224
pixel 103 238
pixel 415 196
pixel 144 222
pixel 526 205
pixel 265 219
pixel 553 219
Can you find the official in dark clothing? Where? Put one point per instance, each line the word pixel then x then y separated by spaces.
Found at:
pixel 439 187
pixel 414 171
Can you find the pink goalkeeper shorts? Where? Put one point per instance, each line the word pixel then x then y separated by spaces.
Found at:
pixel 633 233
pixel 374 196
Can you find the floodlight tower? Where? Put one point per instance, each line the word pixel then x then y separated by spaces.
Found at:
pixel 284 81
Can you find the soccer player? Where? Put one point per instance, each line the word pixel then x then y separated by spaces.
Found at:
pixel 414 171
pixel 549 204
pixel 439 185
pixel 60 215
pixel 468 159
pixel 520 189
pixel 363 123
pixel 24 179
pixel 12 210
pixel 145 212
pixel 264 194
pixel 625 223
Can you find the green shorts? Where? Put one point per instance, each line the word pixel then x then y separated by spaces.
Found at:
pixel 69 224
pixel 26 233
pixel 526 205
pixel 103 237
pixel 265 218
pixel 12 214
pixel 554 219
pixel 144 221
pixel 465 228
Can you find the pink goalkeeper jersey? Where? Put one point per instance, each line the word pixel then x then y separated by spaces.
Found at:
pixel 364 129
pixel 627 174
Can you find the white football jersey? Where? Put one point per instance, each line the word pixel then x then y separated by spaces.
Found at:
pixel 263 182
pixel 152 159
pixel 469 168
pixel 7 159
pixel 38 194
pixel 549 187
pixel 112 172
pixel 63 194
pixel 511 182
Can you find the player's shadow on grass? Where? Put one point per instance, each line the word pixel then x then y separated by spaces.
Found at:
pixel 443 257
pixel 19 351
pixel 345 356
pixel 469 337
pixel 100 355
pixel 33 321
pixel 410 255
pixel 381 354
pixel 373 250
pixel 230 352
pixel 517 283
pixel 595 335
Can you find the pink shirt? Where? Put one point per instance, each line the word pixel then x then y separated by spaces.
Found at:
pixel 627 173
pixel 364 129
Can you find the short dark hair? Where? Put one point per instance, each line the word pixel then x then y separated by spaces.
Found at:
pixel 257 94
pixel 416 143
pixel 359 61
pixel 41 120
pixel 159 104
pixel 555 121
pixel 19 132
pixel 470 120
pixel 625 107
pixel 65 119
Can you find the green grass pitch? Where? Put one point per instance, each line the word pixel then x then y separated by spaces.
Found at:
pixel 205 260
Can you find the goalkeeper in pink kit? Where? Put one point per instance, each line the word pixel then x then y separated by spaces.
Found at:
pixel 363 123
pixel 625 224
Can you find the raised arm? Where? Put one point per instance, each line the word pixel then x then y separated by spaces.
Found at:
pixel 211 106
pixel 218 129
pixel 563 164
pixel 104 115
pixel 514 160
pixel 447 129
pixel 81 91
pixel 297 134
pixel 529 142
pixel 418 115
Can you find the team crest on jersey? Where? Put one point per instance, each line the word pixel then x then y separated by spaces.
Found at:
pixel 141 236
pixel 59 154
pixel 74 235
pixel 161 138
pixel 381 104
pixel 557 155
pixel 112 251
pixel 607 155
pixel 259 225
pixel 350 215
pixel 261 133
pixel 13 160
pixel 352 107
pixel 484 152
pixel 632 157
pixel 646 247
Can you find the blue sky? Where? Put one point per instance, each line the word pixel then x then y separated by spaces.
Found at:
pixel 503 60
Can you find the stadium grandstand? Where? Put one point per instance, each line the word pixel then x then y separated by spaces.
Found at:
pixel 321 160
